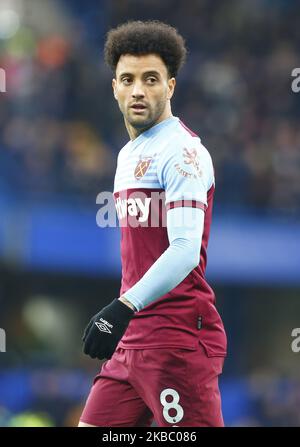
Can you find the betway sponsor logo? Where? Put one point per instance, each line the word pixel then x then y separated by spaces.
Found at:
pixel 133 207
pixel 139 209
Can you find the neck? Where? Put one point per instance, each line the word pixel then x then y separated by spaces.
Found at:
pixel 134 132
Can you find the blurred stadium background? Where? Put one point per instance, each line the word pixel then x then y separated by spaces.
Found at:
pixel 60 132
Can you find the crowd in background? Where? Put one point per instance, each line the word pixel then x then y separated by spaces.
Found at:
pixel 61 130
pixel 60 133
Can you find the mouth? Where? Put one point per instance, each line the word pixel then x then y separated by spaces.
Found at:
pixel 138 108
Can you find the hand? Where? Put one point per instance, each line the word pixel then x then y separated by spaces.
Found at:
pixel 106 329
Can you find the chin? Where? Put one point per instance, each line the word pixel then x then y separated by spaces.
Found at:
pixel 140 123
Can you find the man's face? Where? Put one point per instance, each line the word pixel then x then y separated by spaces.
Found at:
pixel 143 89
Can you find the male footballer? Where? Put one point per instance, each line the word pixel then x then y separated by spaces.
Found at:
pixel 163 339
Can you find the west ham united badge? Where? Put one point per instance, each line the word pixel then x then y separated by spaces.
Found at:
pixel 142 167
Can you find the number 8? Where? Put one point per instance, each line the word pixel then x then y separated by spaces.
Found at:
pixel 173 404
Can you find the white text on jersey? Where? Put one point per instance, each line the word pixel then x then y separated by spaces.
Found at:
pixel 133 207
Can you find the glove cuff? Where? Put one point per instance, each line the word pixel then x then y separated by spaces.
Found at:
pixel 122 309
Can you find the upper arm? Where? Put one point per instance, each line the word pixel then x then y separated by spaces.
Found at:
pixel 185 172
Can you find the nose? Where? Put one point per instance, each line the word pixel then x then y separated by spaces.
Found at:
pixel 137 91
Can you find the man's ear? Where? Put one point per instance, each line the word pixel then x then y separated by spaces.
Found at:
pixel 114 86
pixel 171 87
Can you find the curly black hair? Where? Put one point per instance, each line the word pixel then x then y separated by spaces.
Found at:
pixel 149 37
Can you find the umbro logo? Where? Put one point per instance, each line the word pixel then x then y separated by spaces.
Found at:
pixel 102 327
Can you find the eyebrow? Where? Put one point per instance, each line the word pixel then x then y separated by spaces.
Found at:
pixel 147 73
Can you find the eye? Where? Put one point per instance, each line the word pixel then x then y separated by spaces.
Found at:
pixel 151 80
pixel 126 81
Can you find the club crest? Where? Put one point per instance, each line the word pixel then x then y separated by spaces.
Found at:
pixel 191 158
pixel 142 167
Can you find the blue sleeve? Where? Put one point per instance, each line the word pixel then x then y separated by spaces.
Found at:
pixel 185 228
pixel 185 171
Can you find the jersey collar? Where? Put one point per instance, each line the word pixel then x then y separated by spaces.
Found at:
pixel 154 130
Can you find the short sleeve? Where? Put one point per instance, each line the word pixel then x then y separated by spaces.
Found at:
pixel 185 171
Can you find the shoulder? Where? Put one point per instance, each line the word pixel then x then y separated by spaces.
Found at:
pixel 185 145
pixel 185 156
pixel 123 151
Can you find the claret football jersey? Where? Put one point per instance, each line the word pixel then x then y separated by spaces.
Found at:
pixel 166 167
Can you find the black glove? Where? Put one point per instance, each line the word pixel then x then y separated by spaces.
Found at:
pixel 106 329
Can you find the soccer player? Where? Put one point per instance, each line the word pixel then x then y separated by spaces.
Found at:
pixel 163 338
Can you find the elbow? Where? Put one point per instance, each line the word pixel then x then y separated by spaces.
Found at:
pixel 194 260
pixel 193 254
pixel 190 253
